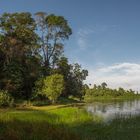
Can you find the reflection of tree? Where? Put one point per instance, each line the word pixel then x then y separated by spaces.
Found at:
pixel 104 109
pixel 121 106
pixel 110 111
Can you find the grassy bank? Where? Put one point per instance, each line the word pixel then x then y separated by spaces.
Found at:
pixel 63 123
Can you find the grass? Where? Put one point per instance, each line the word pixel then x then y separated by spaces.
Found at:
pixel 63 123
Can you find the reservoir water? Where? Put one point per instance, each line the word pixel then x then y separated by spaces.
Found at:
pixel 109 111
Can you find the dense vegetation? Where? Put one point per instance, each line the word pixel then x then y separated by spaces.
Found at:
pixel 33 65
pixel 103 92
pixel 31 50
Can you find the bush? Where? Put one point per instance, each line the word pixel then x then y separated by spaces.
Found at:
pixel 5 99
pixel 49 87
pixel 53 87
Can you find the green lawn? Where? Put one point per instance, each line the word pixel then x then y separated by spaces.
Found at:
pixel 63 123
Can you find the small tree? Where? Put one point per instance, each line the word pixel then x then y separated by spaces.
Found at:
pixel 53 86
pixel 5 99
pixel 104 85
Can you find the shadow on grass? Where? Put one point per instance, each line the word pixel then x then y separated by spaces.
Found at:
pixel 37 125
pixel 41 125
pixel 20 130
pixel 66 101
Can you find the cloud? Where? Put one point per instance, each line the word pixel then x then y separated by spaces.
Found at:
pixel 82 37
pixel 126 75
pixel 85 38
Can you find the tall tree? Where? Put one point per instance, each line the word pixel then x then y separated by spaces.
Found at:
pixel 18 43
pixel 17 36
pixel 53 31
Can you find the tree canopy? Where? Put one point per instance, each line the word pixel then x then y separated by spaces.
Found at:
pixel 31 49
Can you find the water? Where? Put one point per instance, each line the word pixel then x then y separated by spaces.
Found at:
pixel 109 111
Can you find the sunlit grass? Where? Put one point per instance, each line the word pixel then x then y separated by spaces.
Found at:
pixel 64 123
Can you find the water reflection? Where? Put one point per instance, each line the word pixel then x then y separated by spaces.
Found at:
pixel 111 110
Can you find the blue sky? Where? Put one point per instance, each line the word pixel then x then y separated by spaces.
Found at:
pixel 106 35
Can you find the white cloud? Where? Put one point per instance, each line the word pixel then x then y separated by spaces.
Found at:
pixel 126 75
pixel 82 37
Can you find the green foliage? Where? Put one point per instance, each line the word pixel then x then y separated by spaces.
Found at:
pixel 76 78
pixel 17 35
pixel 5 99
pixel 20 57
pixel 12 79
pixel 53 31
pixel 59 25
pixel 50 87
pixel 102 91
pixel 73 75
pixel 53 86
pixel 31 48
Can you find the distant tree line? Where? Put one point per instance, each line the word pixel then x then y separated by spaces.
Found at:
pixel 32 62
pixel 103 91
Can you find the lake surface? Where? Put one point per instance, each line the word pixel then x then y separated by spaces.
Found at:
pixel 109 111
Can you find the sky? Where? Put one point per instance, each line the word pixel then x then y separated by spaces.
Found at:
pixel 105 39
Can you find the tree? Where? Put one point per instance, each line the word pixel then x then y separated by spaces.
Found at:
pixel 54 30
pixel 63 68
pixel 19 49
pixel 17 36
pixel 53 86
pixel 75 80
pixel 121 91
pixel 73 75
pixel 102 91
pixel 104 85
pixel 31 49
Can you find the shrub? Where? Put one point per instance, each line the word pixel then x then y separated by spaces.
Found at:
pixel 5 99
pixel 53 87
pixel 50 87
